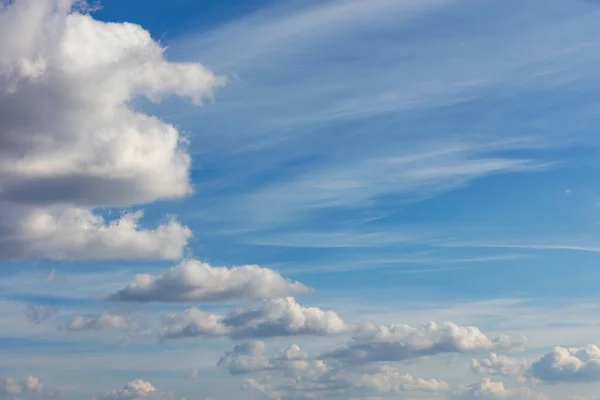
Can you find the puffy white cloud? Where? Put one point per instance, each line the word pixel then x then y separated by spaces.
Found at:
pixel 386 379
pixel 197 281
pixel 253 357
pixel 568 365
pixel 77 233
pixel 374 342
pixel 102 322
pixel 13 387
pixel 381 380
pixel 272 318
pixel 193 322
pixel 71 142
pixel 490 390
pixel 496 365
pixel 283 317
pixel 134 390
pixel 246 358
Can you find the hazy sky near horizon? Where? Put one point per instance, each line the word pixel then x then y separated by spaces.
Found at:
pixel 299 200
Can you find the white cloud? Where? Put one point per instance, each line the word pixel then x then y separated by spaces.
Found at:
pixel 497 365
pixel 272 318
pixel 134 390
pixel 386 379
pixel 76 233
pixel 193 323
pixel 245 358
pixel 71 142
pixel 374 342
pixel 197 281
pixel 316 379
pixel 333 380
pixel 13 387
pixel 490 390
pixel 252 357
pixel 312 378
pixel 102 322
pixel 569 365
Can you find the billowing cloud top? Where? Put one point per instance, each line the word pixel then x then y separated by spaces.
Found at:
pixel 569 365
pixel 272 318
pixel 13 387
pixel 70 142
pixel 497 365
pixel 136 389
pixel 400 342
pixel 197 281
pixel 487 389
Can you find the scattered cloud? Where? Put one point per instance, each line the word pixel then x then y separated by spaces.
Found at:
pixel 317 379
pixel 374 343
pixel 375 381
pixel 272 318
pixel 245 358
pixel 16 388
pixel 197 281
pixel 497 365
pixel 251 357
pixel 134 390
pixel 102 322
pixel 490 390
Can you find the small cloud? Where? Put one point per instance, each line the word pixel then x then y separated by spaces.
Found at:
pixel 38 314
pixel 192 373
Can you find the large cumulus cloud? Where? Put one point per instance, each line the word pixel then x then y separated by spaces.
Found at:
pixel 253 356
pixel 373 343
pixel 569 365
pixel 197 281
pixel 70 141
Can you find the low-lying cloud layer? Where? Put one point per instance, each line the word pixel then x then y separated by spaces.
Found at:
pixel 293 375
pixel 30 386
pixel 134 390
pixel 490 390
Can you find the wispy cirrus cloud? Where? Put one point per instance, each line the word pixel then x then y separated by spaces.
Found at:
pixel 389 130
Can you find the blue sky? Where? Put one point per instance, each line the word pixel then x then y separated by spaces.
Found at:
pixel 408 161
